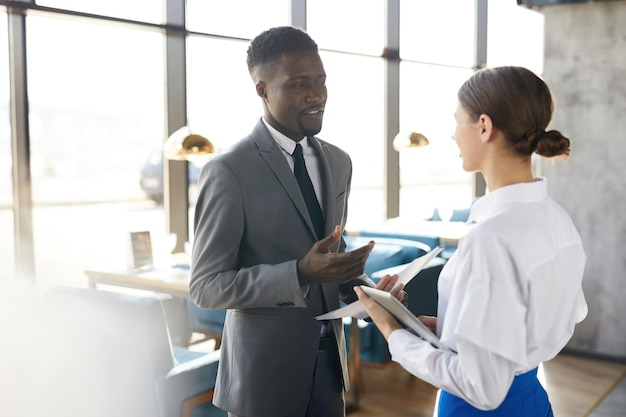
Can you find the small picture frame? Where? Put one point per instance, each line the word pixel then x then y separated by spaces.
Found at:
pixel 140 250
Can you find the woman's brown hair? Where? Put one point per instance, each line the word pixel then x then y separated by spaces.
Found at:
pixel 519 104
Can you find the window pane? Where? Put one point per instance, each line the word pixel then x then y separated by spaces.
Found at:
pixel 227 110
pixel 97 112
pixel 514 36
pixel 440 32
pixel 348 25
pixel 221 99
pixel 354 121
pixel 236 18
pixel 7 246
pixel 431 176
pixel 150 11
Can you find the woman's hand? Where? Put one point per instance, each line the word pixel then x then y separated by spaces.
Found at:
pixel 385 322
pixel 430 322
pixel 387 284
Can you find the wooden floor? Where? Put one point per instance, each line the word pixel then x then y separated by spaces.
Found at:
pixel 575 385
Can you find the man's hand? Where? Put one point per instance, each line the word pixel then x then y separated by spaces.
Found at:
pixel 321 265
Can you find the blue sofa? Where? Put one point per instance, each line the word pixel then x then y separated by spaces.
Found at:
pixel 431 240
pixel 387 252
pixel 384 238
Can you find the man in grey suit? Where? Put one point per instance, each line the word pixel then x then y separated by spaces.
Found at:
pixel 258 254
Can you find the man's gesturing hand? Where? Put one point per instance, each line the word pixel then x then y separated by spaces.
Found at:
pixel 321 265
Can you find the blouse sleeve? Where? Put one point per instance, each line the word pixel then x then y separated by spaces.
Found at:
pixel 485 303
pixel 484 321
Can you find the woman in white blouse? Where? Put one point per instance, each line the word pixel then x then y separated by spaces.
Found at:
pixel 511 294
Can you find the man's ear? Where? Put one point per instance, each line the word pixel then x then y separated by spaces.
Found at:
pixel 485 126
pixel 261 89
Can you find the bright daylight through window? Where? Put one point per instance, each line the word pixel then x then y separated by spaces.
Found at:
pixel 98 114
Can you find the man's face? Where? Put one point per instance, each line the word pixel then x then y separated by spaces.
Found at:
pixel 294 93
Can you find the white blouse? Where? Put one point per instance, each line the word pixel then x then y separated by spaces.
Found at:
pixel 509 297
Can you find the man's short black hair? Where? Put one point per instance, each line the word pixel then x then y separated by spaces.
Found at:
pixel 270 44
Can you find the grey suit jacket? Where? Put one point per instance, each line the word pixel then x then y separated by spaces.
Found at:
pixel 251 227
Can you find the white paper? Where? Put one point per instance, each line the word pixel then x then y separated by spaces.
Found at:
pixel 357 310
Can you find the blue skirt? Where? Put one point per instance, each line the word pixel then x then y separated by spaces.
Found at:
pixel 526 398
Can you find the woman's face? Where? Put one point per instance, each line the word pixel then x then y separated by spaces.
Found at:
pixel 467 137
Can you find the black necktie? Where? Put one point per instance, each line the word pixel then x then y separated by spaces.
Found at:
pixel 308 192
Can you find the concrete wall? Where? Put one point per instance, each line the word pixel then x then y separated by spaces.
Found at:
pixel 585 66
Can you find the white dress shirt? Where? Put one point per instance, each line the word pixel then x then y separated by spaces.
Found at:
pixel 509 297
pixel 287 146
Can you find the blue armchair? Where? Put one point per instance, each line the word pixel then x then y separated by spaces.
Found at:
pixel 113 356
pixel 210 323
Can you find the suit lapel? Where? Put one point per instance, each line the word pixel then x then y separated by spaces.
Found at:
pixel 275 159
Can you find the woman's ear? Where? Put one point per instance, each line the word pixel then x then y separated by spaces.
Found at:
pixel 485 126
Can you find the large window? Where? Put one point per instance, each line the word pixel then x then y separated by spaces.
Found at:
pixel 355 111
pixel 438 32
pixel 7 268
pixel 355 26
pixel 221 98
pixel 431 176
pixel 96 113
pixel 97 101
pixel 437 45
pixel 141 10
pixel 96 108
pixel 236 18
pixel 354 121
pixel 515 36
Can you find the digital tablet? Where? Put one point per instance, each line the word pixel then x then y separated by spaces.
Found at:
pixel 404 316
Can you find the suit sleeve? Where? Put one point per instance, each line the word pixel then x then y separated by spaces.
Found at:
pixel 217 280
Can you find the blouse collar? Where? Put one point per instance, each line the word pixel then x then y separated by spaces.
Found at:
pixel 523 192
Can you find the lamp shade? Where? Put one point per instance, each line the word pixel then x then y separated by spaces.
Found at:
pixel 409 140
pixel 186 145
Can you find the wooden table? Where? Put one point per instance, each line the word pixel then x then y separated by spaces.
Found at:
pixel 445 234
pixel 172 281
pixel 448 232
pixel 175 281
